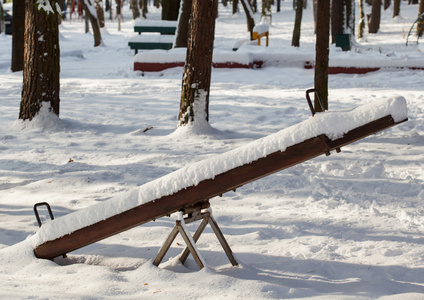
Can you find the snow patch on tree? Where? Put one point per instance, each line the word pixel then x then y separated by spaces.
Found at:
pixel 197 123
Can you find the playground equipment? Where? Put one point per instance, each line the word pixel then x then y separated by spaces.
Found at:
pixel 192 200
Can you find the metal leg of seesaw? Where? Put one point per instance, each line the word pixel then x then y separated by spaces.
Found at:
pixel 179 227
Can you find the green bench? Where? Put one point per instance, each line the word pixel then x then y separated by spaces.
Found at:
pixel 163 41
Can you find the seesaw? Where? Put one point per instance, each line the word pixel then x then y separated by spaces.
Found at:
pixel 188 190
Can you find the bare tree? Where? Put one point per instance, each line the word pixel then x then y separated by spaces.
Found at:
pixel 90 12
pixel 374 18
pixel 41 60
pixel 2 24
pixel 170 9
pixel 118 13
pixel 322 51
pixel 297 23
pixel 135 9
pixel 98 5
pixel 18 30
pixel 361 26
pixel 183 24
pixel 194 105
pixel 337 18
pixel 396 8
pixel 235 6
pixel 350 17
pixel 144 9
pixel 248 9
pixel 266 15
pixel 420 23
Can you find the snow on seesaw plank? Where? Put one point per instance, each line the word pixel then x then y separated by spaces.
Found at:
pixel 332 124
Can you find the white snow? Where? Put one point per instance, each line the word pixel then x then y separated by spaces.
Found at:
pixel 334 125
pixel 347 226
pixel 151 38
pixel 155 23
pixel 179 55
pixel 261 28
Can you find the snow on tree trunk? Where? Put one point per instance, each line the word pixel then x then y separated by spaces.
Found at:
pixel 350 17
pixel 90 12
pixel 266 15
pixel 249 16
pixel 98 4
pixel 41 61
pixel 361 25
pixel 194 105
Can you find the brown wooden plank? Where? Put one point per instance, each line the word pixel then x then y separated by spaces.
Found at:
pixel 363 131
pixel 205 190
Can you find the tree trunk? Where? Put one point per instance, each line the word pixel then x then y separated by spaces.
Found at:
pixel 297 24
pixel 41 62
pixel 322 52
pixel 2 25
pixel 266 15
pixel 249 16
pixel 170 9
pixel 98 4
pixel 254 5
pixel 183 24
pixel 315 9
pixel 420 23
pixel 374 19
pixel 337 19
pixel 350 17
pixel 144 9
pixel 235 6
pixel 387 4
pixel 396 8
pixel 194 105
pixel 118 13
pixel 278 5
pixel 135 9
pixel 18 30
pixel 361 26
pixel 90 12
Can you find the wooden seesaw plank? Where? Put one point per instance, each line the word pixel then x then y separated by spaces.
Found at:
pixel 207 189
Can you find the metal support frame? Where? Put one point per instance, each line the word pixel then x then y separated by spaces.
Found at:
pixel 318 95
pixel 195 215
pixel 37 215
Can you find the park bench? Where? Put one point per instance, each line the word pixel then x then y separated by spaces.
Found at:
pixel 188 191
pixel 164 41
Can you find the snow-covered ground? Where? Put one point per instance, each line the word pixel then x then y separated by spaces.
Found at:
pixel 347 226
